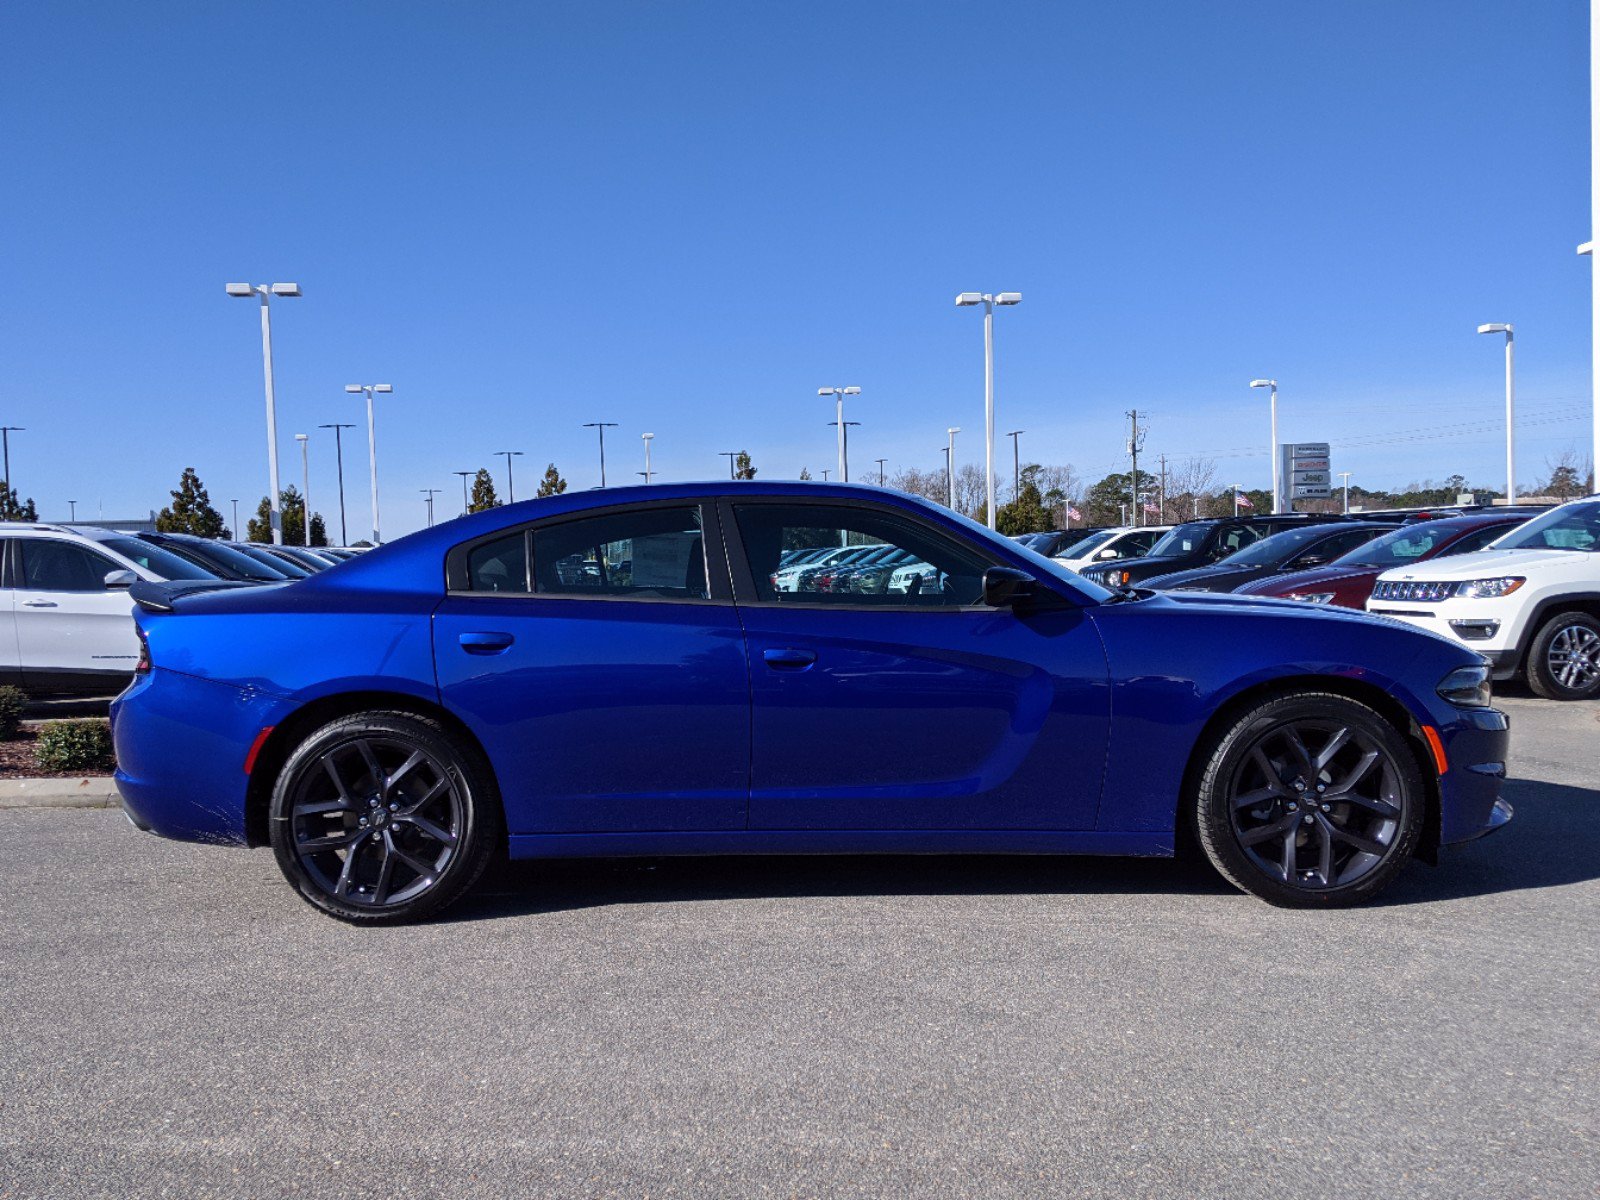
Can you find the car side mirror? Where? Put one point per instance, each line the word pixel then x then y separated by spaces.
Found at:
pixel 1003 587
pixel 116 581
pixel 1107 553
pixel 1310 560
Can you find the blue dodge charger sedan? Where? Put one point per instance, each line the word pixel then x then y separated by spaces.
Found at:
pixel 618 673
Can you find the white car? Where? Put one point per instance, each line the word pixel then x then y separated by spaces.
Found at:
pixel 1108 545
pixel 787 579
pixel 1529 602
pixel 68 619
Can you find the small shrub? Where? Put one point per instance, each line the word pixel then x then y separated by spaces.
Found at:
pixel 74 746
pixel 12 700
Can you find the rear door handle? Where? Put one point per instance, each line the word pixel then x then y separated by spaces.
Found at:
pixel 40 604
pixel 789 660
pixel 486 642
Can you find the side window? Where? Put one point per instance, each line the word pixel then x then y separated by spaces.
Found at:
pixel 1476 540
pixel 62 567
pixel 1331 548
pixel 646 554
pixel 1236 538
pixel 869 559
pixel 500 565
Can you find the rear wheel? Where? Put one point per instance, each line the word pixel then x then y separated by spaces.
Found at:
pixel 1564 660
pixel 384 817
pixel 1310 801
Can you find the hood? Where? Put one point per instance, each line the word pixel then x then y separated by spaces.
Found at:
pixel 1206 574
pixel 1317 578
pixel 1483 563
pixel 1271 605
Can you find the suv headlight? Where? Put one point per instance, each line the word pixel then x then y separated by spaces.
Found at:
pixel 1311 597
pixel 1467 686
pixel 1490 589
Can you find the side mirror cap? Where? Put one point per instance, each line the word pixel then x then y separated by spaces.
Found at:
pixel 116 581
pixel 1108 552
pixel 1003 587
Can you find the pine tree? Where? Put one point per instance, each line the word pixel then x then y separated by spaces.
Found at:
pixel 190 510
pixel 1028 513
pixel 483 495
pixel 741 466
pixel 552 484
pixel 805 472
pixel 11 509
pixel 292 508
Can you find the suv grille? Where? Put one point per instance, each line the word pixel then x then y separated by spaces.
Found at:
pixel 1425 591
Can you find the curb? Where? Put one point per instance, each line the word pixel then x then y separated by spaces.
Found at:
pixel 86 791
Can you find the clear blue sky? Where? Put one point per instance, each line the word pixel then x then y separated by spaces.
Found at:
pixel 686 217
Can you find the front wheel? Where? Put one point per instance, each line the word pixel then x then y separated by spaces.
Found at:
pixel 383 818
pixel 1564 660
pixel 1310 801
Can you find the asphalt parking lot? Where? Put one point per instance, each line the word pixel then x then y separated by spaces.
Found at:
pixel 175 1022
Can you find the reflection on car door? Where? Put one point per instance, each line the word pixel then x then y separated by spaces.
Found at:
pixel 604 671
pixel 72 631
pixel 917 710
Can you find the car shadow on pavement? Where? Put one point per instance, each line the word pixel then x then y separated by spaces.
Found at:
pixel 1554 840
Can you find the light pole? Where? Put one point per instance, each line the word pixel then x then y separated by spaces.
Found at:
pixel 430 493
pixel 1277 484
pixel 730 455
pixel 5 447
pixel 74 516
pixel 647 438
pixel 1345 475
pixel 824 474
pixel 988 300
pixel 602 426
pixel 372 443
pixel 1511 408
pixel 266 292
pixel 1237 488
pixel 465 503
pixel 950 467
pixel 511 487
pixel 880 462
pixel 838 394
pixel 1016 461
pixel 305 483
pixel 844 436
pixel 239 537
pixel 338 455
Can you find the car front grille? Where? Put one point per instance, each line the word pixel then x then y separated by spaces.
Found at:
pixel 1423 591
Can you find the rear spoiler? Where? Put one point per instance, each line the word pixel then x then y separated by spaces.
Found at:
pixel 163 597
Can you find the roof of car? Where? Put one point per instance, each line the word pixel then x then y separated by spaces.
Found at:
pixel 40 529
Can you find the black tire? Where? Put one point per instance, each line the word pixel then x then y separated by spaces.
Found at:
pixel 383 818
pixel 1564 659
pixel 1289 808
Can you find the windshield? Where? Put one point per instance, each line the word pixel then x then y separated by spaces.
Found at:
pixel 239 563
pixel 1278 548
pixel 1089 544
pixel 1185 539
pixel 153 558
pixel 1409 543
pixel 1570 527
pixel 288 566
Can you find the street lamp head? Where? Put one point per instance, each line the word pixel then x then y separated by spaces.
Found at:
pixel 1494 328
pixel 967 299
pixel 647 436
pixel 1008 298
pixel 954 429
pixel 286 289
pixel 852 391
pixel 826 391
pixel 240 289
pixel 382 387
pixel 1266 383
pixel 352 387
pixel 302 437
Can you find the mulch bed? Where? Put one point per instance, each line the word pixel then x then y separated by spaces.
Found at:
pixel 17 760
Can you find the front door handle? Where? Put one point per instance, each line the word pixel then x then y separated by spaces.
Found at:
pixel 485 642
pixel 40 604
pixel 789 660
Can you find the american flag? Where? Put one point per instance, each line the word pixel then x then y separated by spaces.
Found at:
pixel 1073 514
pixel 1150 508
pixel 1244 501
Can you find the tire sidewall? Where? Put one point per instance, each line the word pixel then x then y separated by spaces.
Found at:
pixel 1227 753
pixel 1540 678
pixel 474 843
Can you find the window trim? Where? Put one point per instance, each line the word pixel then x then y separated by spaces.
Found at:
pixel 716 564
pixel 744 585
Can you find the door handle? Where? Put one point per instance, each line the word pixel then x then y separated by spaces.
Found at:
pixel 40 604
pixel 485 643
pixel 789 660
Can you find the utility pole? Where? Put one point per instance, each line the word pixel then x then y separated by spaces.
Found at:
pixel 338 454
pixel 1162 516
pixel 1135 440
pixel 430 493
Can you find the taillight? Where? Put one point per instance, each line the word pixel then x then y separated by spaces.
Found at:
pixel 142 667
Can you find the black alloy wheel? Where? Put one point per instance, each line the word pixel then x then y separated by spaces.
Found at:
pixel 383 818
pixel 1310 801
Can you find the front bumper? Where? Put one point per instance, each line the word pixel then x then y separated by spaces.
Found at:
pixel 1476 746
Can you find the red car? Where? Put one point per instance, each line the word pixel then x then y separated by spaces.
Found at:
pixel 1346 582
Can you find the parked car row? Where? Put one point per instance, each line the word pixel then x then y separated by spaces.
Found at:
pixel 64 606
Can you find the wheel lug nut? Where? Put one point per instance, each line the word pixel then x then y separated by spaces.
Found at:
pixel 1327 808
pixel 394 808
pixel 1309 818
pixel 1293 807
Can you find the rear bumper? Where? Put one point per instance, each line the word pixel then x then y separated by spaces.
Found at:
pixel 1476 746
pixel 181 744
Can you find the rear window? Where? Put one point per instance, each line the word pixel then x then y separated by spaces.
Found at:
pixel 157 560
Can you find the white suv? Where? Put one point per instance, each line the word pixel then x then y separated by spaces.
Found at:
pixel 66 621
pixel 1529 603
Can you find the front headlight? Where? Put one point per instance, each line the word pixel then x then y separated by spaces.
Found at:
pixel 1467 686
pixel 1490 589
pixel 1311 597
